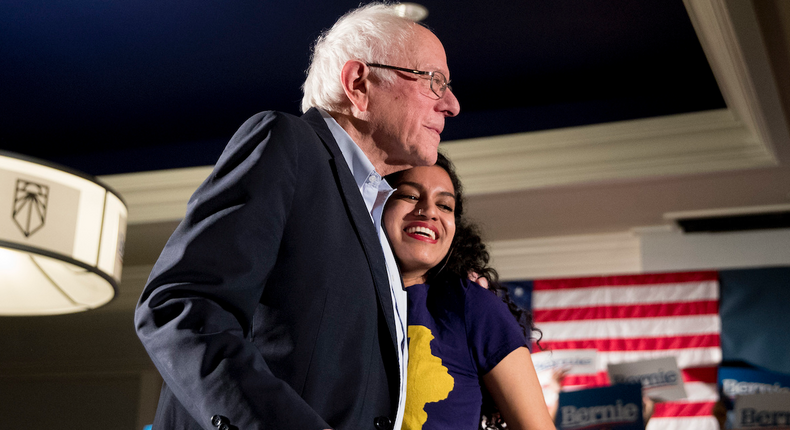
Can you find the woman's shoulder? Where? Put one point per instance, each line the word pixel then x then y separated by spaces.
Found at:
pixel 468 298
pixel 492 330
pixel 478 295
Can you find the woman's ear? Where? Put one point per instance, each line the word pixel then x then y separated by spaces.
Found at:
pixel 354 78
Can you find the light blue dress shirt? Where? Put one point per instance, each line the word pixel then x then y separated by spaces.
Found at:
pixel 375 191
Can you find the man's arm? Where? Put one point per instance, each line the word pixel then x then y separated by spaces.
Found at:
pixel 196 310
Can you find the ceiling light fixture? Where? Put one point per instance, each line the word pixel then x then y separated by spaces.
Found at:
pixel 62 236
pixel 413 11
pixel 736 219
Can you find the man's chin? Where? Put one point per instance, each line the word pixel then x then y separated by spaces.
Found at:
pixel 423 158
pixel 428 160
pixel 428 156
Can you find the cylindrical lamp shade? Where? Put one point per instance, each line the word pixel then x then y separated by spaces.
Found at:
pixel 62 236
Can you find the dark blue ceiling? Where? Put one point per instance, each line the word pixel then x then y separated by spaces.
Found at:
pixel 114 86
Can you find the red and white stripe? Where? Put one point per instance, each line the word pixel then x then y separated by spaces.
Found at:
pixel 640 317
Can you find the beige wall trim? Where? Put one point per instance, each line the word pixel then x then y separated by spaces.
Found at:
pixel 157 196
pixel 643 250
pixel 566 256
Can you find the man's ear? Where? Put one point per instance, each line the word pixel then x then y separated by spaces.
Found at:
pixel 356 84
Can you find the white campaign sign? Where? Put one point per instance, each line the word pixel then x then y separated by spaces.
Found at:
pixel 577 361
pixel 763 411
pixel 661 379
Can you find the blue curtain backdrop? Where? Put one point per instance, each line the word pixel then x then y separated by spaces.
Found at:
pixel 754 316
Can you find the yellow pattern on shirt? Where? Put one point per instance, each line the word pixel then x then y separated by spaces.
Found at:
pixel 428 380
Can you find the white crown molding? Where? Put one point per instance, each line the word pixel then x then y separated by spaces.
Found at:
pixel 698 142
pixel 729 33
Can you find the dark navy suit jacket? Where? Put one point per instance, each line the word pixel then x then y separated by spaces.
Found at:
pixel 270 304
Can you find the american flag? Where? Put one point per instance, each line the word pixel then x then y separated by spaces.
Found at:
pixel 639 317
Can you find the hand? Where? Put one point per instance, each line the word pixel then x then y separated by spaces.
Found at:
pixel 481 280
pixel 647 408
pixel 557 376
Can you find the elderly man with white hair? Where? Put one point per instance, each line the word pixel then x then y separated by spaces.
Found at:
pixel 276 303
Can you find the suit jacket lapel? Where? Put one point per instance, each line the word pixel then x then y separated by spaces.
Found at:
pixel 360 219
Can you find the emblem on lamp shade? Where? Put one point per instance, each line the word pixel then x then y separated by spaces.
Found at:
pixel 30 206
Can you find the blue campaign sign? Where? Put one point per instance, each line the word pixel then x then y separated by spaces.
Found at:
pixel 618 407
pixel 741 381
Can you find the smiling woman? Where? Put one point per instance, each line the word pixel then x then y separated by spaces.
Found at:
pixel 420 220
pixel 459 332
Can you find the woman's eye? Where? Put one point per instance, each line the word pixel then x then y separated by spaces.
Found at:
pixel 446 208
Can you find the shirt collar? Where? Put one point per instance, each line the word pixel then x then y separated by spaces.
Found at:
pixel 361 168
pixel 374 189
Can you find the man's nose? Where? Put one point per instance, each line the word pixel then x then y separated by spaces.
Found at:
pixel 449 103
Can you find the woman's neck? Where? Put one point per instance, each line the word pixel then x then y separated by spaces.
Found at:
pixel 410 279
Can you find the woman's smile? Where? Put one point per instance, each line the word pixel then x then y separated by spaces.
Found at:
pixel 421 231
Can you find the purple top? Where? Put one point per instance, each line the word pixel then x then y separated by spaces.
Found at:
pixel 458 332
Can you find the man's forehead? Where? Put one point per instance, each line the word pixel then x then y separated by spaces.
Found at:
pixel 427 51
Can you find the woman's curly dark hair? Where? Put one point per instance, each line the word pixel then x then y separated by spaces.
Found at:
pixel 468 254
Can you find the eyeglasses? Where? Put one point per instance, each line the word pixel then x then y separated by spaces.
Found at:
pixel 439 82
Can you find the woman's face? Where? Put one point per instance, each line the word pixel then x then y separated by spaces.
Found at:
pixel 420 220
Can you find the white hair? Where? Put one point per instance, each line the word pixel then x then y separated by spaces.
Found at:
pixel 373 33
